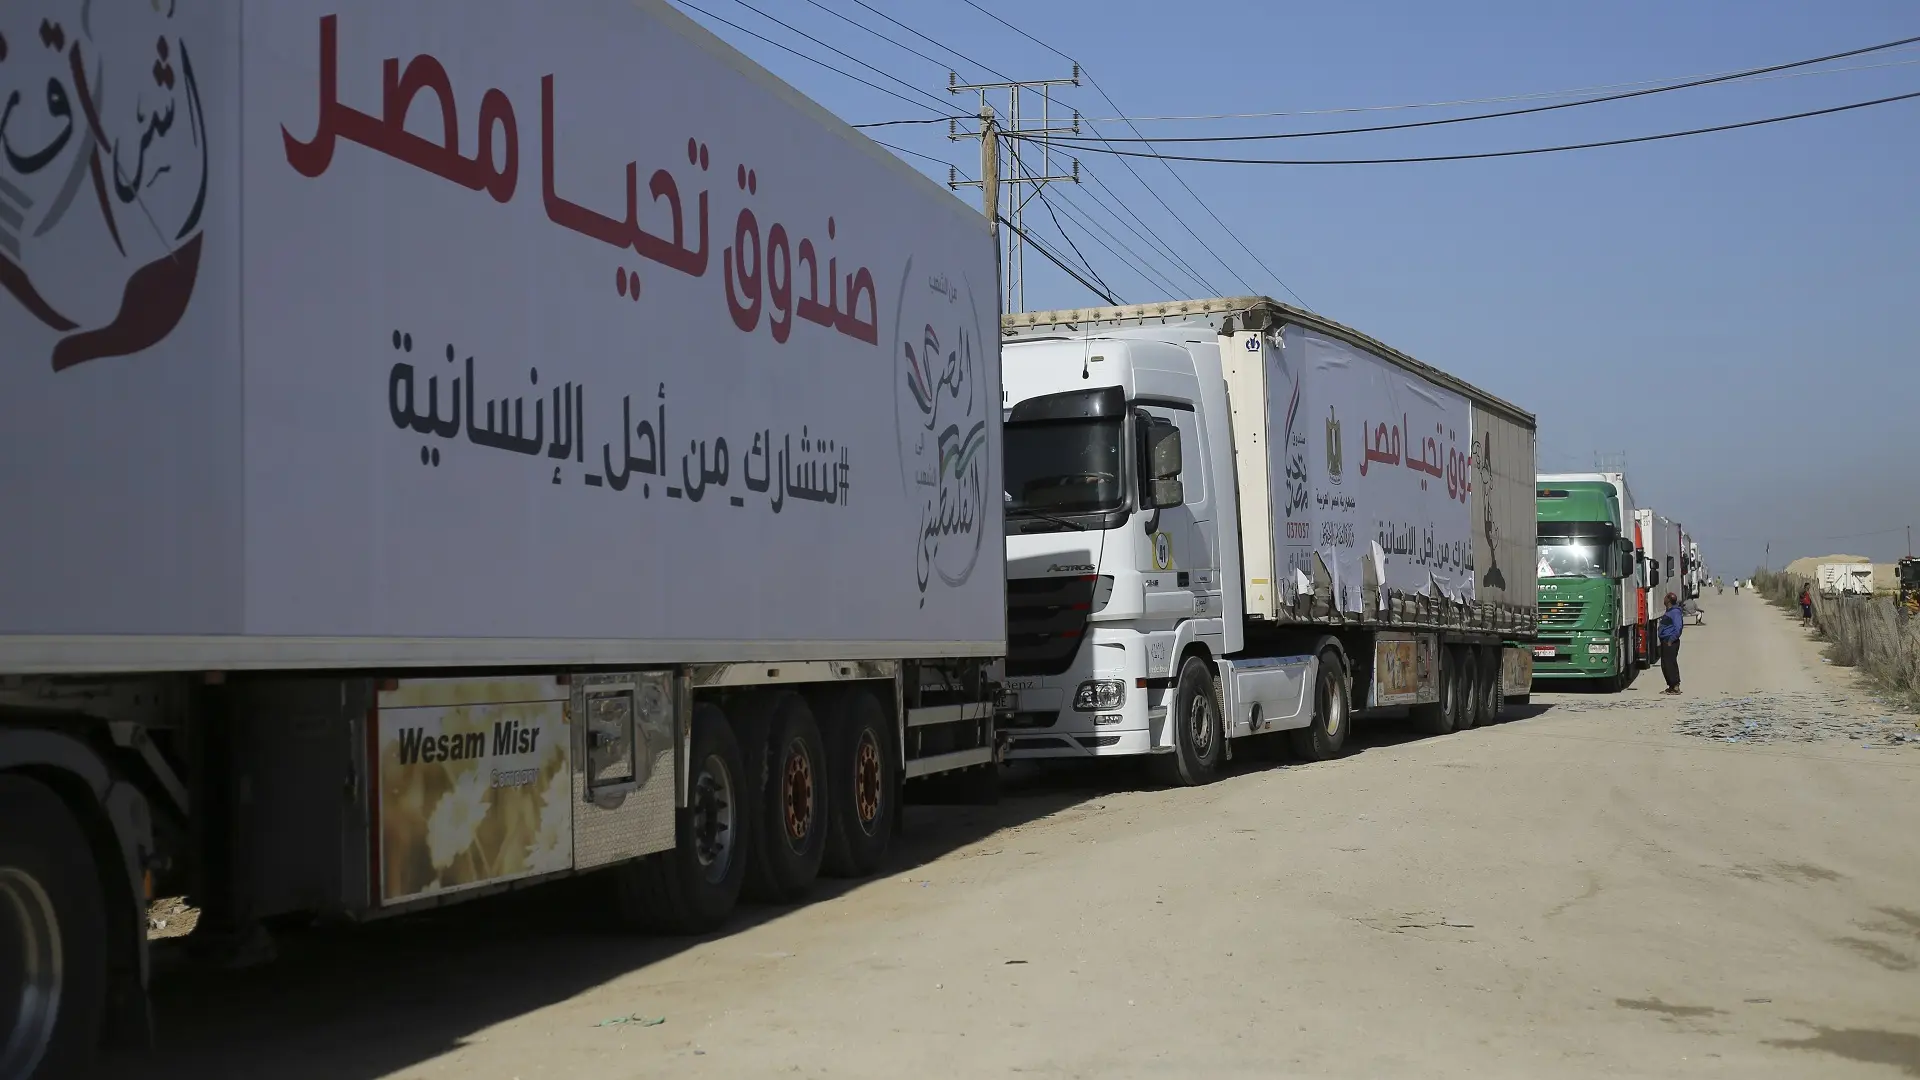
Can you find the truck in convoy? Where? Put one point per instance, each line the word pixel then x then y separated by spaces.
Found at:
pixel 1592 601
pixel 1663 570
pixel 1235 524
pixel 443 476
pixel 1845 579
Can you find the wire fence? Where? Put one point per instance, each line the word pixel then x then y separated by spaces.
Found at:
pixel 1873 633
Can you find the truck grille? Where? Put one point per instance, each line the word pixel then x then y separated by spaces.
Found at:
pixel 1561 612
pixel 1046 618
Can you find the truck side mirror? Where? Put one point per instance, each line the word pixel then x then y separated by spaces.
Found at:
pixel 1163 463
pixel 1624 548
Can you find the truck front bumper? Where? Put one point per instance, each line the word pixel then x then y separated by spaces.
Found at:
pixel 1045 723
pixel 1579 654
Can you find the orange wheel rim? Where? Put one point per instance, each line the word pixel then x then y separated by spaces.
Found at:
pixel 798 790
pixel 866 779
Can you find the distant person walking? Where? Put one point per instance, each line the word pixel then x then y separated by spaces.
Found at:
pixel 1736 586
pixel 1720 587
pixel 1806 606
pixel 1671 624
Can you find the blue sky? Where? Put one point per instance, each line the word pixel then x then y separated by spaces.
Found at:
pixel 1737 312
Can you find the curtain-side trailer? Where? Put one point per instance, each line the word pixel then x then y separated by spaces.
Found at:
pixel 523 440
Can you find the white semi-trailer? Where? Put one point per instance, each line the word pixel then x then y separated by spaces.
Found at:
pixel 1231 522
pixel 449 446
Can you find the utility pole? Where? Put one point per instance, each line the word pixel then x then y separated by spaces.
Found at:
pixel 989 171
pixel 1021 140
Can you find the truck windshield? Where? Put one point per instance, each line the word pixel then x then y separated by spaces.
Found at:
pixel 1568 556
pixel 1063 466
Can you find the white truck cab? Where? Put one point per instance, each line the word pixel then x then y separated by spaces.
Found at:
pixel 1114 447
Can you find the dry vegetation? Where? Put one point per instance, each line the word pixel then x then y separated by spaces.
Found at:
pixel 1873 634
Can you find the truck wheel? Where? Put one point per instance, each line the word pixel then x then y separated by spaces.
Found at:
pixel 693 888
pixel 1199 744
pixel 53 936
pixel 1442 716
pixel 1332 712
pixel 1468 680
pixel 790 835
pixel 1495 689
pixel 865 776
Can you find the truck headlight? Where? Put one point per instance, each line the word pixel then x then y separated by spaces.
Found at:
pixel 1098 695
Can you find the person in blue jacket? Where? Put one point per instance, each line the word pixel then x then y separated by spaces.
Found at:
pixel 1671 624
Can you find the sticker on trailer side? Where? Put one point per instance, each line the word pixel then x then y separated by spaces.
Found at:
pixel 1403 671
pixel 473 784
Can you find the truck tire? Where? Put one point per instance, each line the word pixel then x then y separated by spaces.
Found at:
pixel 1322 739
pixel 53 937
pixel 1199 743
pixel 790 823
pixel 1469 688
pixel 694 887
pixel 864 773
pixel 1442 716
pixel 1495 683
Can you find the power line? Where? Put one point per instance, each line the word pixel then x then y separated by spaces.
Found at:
pixel 1101 90
pixel 1533 96
pixel 1501 99
pixel 883 74
pixel 897 123
pixel 1150 238
pixel 1529 110
pixel 1142 268
pixel 936 43
pixel 863 26
pixel 927 157
pixel 1057 261
pixel 1041 190
pixel 1126 219
pixel 1507 153
pixel 688 4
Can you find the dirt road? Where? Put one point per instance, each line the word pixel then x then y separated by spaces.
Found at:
pixel 1580 892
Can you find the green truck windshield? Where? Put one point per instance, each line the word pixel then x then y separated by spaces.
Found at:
pixel 1562 557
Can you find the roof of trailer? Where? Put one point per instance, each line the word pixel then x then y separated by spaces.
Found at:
pixel 1215 311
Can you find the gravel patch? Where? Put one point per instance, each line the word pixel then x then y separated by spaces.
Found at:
pixel 1792 718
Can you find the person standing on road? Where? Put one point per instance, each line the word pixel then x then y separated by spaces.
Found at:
pixel 1671 624
pixel 1806 606
pixel 1736 586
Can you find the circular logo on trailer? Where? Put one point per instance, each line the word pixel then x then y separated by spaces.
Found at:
pixel 1162 551
pixel 1253 344
pixel 942 413
pixel 103 174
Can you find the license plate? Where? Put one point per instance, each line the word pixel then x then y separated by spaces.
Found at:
pixel 1543 652
pixel 1599 650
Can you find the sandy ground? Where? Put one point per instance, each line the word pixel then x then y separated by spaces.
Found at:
pixel 1578 892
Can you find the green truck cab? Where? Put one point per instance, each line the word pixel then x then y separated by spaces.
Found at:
pixel 1586 574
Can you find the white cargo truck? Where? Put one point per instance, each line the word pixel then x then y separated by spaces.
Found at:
pixel 451 446
pixel 1845 579
pixel 1662 570
pixel 1231 522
